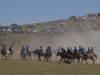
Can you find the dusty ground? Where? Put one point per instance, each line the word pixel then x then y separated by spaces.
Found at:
pixel 88 39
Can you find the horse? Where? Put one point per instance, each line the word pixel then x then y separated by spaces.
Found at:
pixel 75 55
pixel 93 57
pixel 6 54
pixel 46 55
pixel 65 56
pixel 27 54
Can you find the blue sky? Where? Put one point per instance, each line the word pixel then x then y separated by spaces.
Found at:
pixel 33 11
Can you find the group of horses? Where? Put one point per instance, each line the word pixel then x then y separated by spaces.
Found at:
pixel 6 54
pixel 37 52
pixel 70 56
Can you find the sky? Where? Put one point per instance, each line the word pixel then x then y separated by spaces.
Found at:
pixel 33 11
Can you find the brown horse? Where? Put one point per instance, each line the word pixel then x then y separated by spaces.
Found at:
pixel 45 55
pixel 93 57
pixel 65 56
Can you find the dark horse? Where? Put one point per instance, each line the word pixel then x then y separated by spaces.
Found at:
pixel 3 52
pixel 45 55
pixel 76 56
pixel 65 56
pixel 6 54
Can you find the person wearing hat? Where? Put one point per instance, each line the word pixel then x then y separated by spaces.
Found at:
pixel 4 47
pixel 10 49
pixel 63 50
pixel 41 49
pixel 27 49
pixel 92 50
pixel 89 51
pixel 75 50
pixel 80 49
pixel 48 50
pixel 23 50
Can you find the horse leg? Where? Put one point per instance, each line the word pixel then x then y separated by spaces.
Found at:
pixel 31 56
pixel 38 58
pixel 60 60
pixel 2 56
pixel 49 58
pixel 86 61
pixel 5 57
pixel 25 56
pixel 93 62
pixel 78 60
pixel 82 61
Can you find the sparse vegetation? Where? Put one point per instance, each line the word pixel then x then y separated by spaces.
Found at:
pixel 21 67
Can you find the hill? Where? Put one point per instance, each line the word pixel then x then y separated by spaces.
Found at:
pixel 35 40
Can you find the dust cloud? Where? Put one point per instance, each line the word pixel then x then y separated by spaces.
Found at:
pixel 87 39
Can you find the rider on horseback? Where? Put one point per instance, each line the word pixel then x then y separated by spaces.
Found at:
pixel 83 51
pixel 41 49
pixel 23 50
pixel 63 50
pixel 80 49
pixel 75 50
pixel 70 49
pixel 48 50
pixel 27 49
pixel 4 48
pixel 92 50
pixel 89 51
pixel 10 49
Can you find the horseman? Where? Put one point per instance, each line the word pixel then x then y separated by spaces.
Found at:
pixel 75 50
pixel 89 51
pixel 80 49
pixel 63 50
pixel 10 50
pixel 92 50
pixel 23 50
pixel 27 49
pixel 48 50
pixel 4 48
pixel 41 49
pixel 70 49
pixel 83 51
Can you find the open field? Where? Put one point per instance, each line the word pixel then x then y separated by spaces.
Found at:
pixel 27 67
pixel 22 67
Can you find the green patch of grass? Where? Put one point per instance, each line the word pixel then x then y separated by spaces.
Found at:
pixel 25 67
